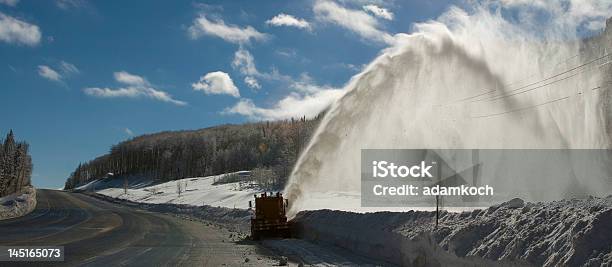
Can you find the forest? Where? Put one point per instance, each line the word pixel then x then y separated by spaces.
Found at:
pixel 15 165
pixel 272 148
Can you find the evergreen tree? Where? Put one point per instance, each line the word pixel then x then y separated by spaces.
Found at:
pixel 15 165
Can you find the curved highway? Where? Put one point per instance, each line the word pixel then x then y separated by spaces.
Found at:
pixel 98 233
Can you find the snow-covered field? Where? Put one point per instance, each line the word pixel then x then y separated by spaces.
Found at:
pixel 198 191
pixel 18 205
pixel 201 191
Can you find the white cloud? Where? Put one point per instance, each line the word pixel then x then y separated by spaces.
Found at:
pixel 245 63
pixel 292 106
pixel 68 68
pixel 591 14
pixel 217 82
pixel 286 52
pixel 348 66
pixel 65 70
pixel 130 79
pixel 15 31
pixel 109 92
pixel 49 73
pixel 70 4
pixel 289 21
pixel 9 2
pixel 136 86
pixel 354 20
pixel 379 11
pixel 230 33
pixel 129 132
pixel 308 99
pixel 252 82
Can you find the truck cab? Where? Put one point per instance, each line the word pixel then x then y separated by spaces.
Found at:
pixel 269 218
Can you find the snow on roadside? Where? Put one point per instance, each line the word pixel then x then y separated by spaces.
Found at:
pixel 222 204
pixel 574 232
pixel 567 232
pixel 351 202
pixel 14 205
pixel 198 192
pixel 237 221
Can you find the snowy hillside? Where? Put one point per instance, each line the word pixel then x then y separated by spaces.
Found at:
pixel 194 191
pixel 201 191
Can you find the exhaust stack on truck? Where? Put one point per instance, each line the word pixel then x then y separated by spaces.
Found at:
pixel 269 218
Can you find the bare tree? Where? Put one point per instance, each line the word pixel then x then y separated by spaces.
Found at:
pixel 168 156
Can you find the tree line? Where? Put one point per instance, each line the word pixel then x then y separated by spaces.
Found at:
pixel 166 156
pixel 15 165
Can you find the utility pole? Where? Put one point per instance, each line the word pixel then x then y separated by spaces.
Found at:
pixel 437 196
pixel 125 184
pixel 437 210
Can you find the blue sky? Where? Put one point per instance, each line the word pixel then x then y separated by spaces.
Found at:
pixel 78 76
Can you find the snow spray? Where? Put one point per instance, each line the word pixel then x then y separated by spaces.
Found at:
pixel 500 75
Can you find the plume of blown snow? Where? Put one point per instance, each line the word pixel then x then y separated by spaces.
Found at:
pixel 470 79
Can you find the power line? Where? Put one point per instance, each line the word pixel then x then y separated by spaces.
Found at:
pixel 520 109
pixel 534 83
pixel 535 88
pixel 512 83
pixel 534 106
pixel 544 85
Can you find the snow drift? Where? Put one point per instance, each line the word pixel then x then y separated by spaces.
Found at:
pixel 499 74
pixel 563 233
pixel 17 205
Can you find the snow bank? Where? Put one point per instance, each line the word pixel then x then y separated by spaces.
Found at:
pixel 15 205
pixel 134 182
pixel 569 233
pixel 351 201
pixel 234 219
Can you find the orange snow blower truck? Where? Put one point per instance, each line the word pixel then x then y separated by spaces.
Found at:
pixel 269 218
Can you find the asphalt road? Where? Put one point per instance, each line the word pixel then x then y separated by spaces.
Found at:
pixel 98 233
